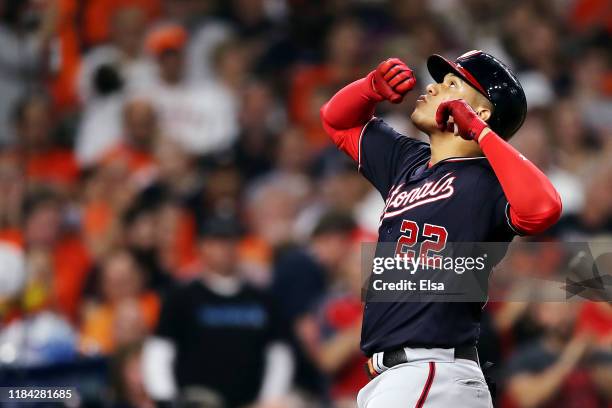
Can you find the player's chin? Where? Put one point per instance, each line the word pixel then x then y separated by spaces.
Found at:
pixel 422 120
pixel 415 115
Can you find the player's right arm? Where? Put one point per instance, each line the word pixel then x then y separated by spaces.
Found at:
pixel 349 110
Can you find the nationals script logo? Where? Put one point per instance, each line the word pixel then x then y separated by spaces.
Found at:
pixel 399 201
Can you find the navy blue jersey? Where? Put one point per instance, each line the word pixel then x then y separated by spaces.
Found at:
pixel 455 200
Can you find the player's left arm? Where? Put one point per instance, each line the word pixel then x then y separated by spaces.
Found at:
pixel 535 205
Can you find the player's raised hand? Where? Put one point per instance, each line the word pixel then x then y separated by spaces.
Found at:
pixel 392 79
pixel 465 122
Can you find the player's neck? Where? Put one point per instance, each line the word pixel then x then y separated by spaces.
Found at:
pixel 445 145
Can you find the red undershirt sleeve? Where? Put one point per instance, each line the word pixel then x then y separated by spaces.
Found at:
pixel 347 112
pixel 535 205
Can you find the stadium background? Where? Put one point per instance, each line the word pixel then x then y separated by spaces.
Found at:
pixel 126 125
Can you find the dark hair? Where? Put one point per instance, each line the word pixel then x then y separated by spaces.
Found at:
pixel 137 209
pixel 334 222
pixel 37 199
pixel 12 11
pixel 218 227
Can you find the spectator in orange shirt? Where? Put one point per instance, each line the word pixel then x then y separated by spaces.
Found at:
pixel 98 16
pixel 47 164
pixel 104 203
pixel 311 85
pixel 139 134
pixel 68 259
pixel 64 53
pixel 125 311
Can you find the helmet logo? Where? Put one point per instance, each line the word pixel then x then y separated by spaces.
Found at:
pixel 469 53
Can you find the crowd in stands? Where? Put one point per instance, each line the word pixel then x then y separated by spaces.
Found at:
pixel 172 212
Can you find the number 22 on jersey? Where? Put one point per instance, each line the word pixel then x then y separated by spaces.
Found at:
pixel 426 246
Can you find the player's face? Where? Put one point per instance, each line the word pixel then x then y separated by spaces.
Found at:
pixel 452 87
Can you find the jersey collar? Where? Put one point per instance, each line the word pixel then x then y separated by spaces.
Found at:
pixel 454 160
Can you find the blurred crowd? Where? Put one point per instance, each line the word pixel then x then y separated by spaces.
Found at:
pixel 165 182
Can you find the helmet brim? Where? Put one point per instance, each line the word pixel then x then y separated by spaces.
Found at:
pixel 438 67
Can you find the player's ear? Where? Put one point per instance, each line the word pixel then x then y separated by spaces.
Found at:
pixel 483 113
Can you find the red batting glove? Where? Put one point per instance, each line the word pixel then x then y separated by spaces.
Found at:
pixel 391 80
pixel 466 123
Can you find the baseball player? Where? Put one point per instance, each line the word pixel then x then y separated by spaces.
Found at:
pixel 466 185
